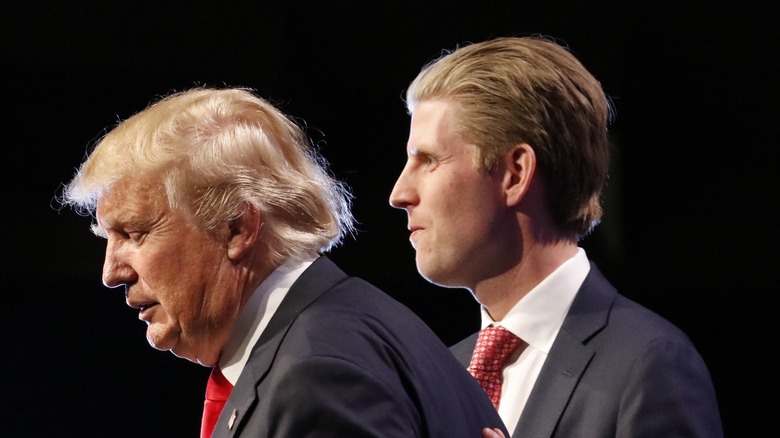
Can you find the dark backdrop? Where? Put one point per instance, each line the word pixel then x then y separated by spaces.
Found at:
pixel 688 208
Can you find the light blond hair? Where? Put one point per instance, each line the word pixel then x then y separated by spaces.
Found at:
pixel 216 152
pixel 530 90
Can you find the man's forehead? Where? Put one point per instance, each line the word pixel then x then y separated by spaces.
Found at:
pixel 432 120
pixel 129 201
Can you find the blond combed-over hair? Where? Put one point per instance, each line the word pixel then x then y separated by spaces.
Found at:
pixel 514 90
pixel 217 152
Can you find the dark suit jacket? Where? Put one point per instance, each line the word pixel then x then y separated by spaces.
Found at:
pixel 617 370
pixel 340 358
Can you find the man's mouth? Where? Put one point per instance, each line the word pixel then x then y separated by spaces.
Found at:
pixel 140 305
pixel 144 312
pixel 143 308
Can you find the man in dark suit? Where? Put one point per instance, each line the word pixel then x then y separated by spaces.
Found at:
pixel 507 156
pixel 216 212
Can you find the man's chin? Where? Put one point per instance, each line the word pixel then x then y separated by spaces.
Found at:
pixel 171 340
pixel 195 358
pixel 158 341
pixel 439 278
pixel 188 352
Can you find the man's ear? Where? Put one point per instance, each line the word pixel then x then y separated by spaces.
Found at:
pixel 243 233
pixel 520 168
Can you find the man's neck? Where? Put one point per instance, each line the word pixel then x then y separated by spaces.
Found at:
pixel 499 294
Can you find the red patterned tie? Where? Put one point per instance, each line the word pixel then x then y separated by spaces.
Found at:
pixel 217 392
pixel 494 345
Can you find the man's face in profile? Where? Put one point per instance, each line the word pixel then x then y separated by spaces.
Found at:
pixel 456 214
pixel 178 277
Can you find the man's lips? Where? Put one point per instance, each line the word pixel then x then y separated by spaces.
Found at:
pixel 142 307
pixel 414 228
pixel 415 231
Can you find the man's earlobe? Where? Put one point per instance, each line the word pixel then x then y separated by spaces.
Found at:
pixel 520 167
pixel 243 233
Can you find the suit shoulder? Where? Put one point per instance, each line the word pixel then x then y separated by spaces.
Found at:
pixel 639 322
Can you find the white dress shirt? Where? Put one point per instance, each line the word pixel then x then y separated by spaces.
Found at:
pixel 255 315
pixel 536 319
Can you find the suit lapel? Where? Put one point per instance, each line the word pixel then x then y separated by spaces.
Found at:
pixel 559 376
pixel 569 357
pixel 313 282
pixel 464 349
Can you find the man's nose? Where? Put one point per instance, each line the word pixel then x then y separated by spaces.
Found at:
pixel 403 193
pixel 116 266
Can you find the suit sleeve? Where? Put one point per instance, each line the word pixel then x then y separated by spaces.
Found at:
pixel 670 393
pixel 326 396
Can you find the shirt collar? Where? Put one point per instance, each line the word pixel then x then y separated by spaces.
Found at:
pixel 255 315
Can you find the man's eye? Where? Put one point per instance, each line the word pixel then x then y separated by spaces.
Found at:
pixel 425 159
pixel 430 161
pixel 135 236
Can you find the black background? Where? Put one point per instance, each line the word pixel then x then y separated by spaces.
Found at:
pixel 687 228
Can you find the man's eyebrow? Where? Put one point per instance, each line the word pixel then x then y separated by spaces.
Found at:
pixel 98 231
pixel 419 150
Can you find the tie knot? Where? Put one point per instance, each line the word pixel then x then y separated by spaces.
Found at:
pixel 218 387
pixel 494 345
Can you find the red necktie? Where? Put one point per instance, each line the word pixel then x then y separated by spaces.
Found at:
pixel 217 392
pixel 494 345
